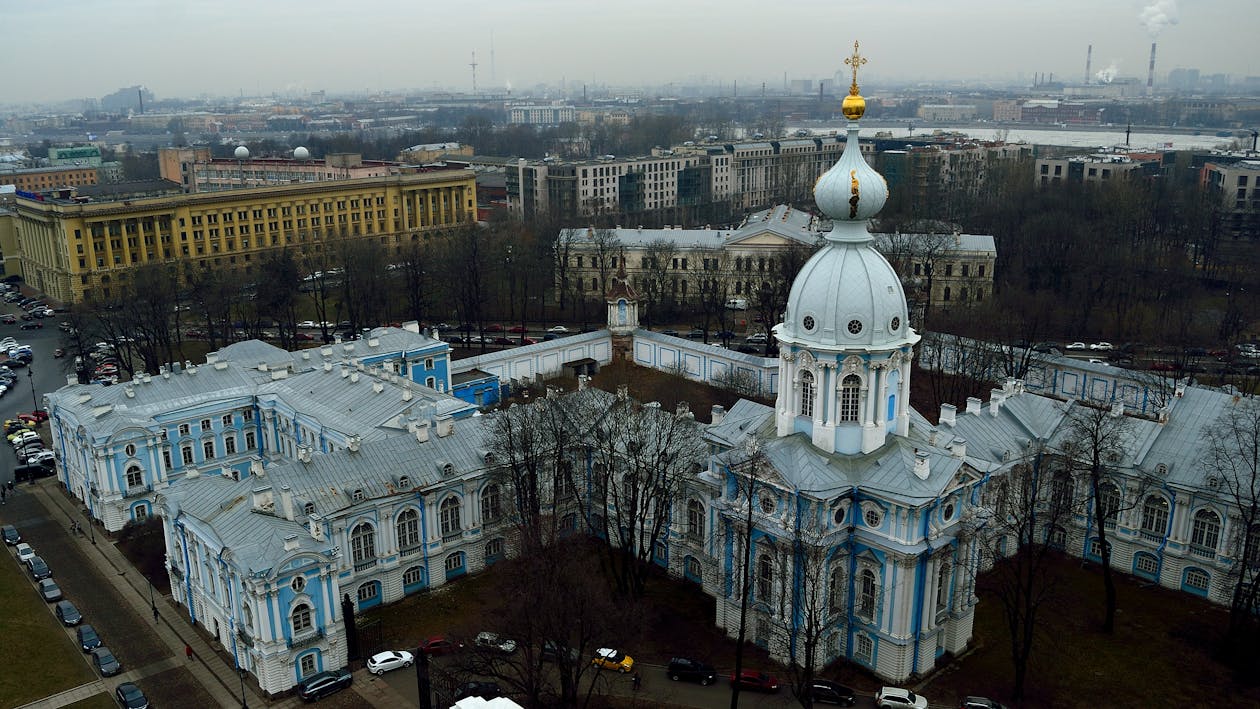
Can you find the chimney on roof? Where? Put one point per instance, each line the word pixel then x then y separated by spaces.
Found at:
pixel 353 443
pixel 406 391
pixel 973 405
pixel 958 447
pixel 378 387
pixel 582 381
pixel 422 432
pixel 290 542
pixel 445 425
pixel 948 416
pixel 717 413
pixel 286 502
pixel 996 398
pixel 262 499
pixel 315 524
pixel 304 454
pixel 354 377
pixel 921 468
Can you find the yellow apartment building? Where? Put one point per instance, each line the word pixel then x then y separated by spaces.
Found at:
pixel 73 249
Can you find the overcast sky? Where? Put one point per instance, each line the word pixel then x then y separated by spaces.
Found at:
pixel 185 48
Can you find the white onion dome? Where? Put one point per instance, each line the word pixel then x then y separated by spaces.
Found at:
pixel 847 296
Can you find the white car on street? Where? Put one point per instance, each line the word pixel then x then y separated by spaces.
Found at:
pixel 898 698
pixel 1076 346
pixel 383 662
pixel 1101 347
pixel 24 552
pixel 558 329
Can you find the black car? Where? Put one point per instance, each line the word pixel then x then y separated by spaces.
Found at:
pixel 68 614
pixel 49 589
pixel 325 683
pixel 88 639
pixel 829 692
pixel 485 690
pixel 32 325
pixel 39 569
pixel 11 535
pixel 105 662
pixel 696 334
pixel 130 696
pixel 980 703
pixel 681 668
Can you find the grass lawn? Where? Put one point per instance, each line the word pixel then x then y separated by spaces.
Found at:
pixel 39 658
pixel 1160 655
pixel 96 701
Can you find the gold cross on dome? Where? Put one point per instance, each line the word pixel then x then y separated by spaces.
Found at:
pixel 855 61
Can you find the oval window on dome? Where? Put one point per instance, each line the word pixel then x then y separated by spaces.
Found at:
pixel 895 324
pixel 808 323
pixel 855 327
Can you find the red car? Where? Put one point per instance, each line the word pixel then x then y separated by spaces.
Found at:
pixel 494 327
pixel 756 681
pixel 518 329
pixel 38 414
pixel 8 320
pixel 440 645
pixel 529 341
pixel 303 337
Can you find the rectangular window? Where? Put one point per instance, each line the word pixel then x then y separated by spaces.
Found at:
pixel 227 420
pixel 229 445
pixel 186 454
pixel 205 425
pixel 247 415
pixel 166 459
pixel 249 440
pixel 183 429
pixel 207 449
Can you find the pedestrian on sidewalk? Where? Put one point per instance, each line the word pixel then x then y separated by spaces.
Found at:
pixel 636 681
pixel 188 651
pixel 3 494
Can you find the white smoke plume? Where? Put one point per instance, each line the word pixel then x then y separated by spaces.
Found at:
pixel 1158 15
pixel 1109 74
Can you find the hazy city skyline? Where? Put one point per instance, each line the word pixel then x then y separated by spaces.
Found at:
pixel 186 48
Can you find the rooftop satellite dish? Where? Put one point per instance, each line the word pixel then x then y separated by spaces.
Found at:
pixel 241 153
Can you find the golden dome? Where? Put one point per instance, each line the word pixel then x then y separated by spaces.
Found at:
pixel 853 107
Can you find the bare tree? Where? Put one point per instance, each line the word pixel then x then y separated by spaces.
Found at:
pixel 1095 444
pixel 1019 535
pixel 657 279
pixel 606 246
pixel 277 293
pixel 640 457
pixel 1232 458
pixel 805 623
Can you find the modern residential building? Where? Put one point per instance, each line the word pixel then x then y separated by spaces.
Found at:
pixel 541 115
pixel 74 248
pixel 1097 167
pixel 1237 185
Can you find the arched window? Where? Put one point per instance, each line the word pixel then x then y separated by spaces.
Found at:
pixel 1206 533
pixel 1061 493
pixel 301 619
pixel 363 543
pixel 866 594
pixel 408 529
pixel 450 516
pixel 494 551
pixel 836 590
pixel 765 577
pixel 490 503
pixel 1155 516
pixel 692 570
pixel 135 476
pixel 850 398
pixel 807 394
pixel 1109 496
pixel 942 587
pixel 695 519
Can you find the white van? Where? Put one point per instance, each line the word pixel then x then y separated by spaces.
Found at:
pixel 737 304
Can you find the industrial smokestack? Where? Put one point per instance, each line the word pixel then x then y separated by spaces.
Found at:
pixel 1089 60
pixel 1150 73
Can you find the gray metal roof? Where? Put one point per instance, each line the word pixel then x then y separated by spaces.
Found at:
pixel 783 221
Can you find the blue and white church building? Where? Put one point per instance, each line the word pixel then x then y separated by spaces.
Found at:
pixel 855 501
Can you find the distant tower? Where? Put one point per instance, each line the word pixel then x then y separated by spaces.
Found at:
pixel 473 64
pixel 1150 73
pixel 1089 58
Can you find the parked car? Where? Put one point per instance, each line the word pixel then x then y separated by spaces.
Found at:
pixel 494 327
pixel 552 651
pixel 39 570
pixel 130 696
pixel 898 698
pixel 756 681
pixel 105 662
pixel 484 690
pixel 11 535
pixel 324 683
pixel 671 332
pixel 1101 346
pixel 383 662
pixel 696 334
pixel 88 639
pixel 517 329
pixel 49 590
pixel 440 645
pixel 980 703
pixel 501 340
pixel 683 668
pixel 38 414
pixel 25 552
pixel 1076 346
pixel 612 659
pixel 8 319
pixel 757 338
pixel 67 613
pixel 493 641
pixel 558 329
pixel 32 325
pixel 725 335
pixel 828 692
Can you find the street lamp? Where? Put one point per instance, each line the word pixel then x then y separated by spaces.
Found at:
pixel 240 671
pixel 30 375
